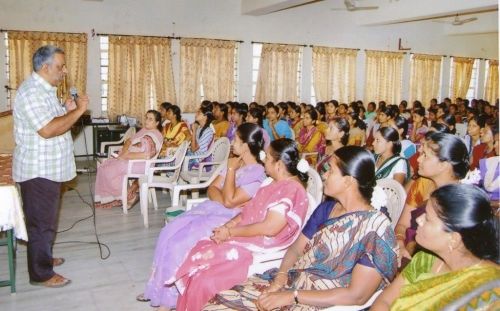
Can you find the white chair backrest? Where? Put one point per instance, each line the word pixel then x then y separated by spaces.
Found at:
pixel 220 149
pixel 180 154
pixel 396 197
pixel 461 129
pixel 129 133
pixel 315 185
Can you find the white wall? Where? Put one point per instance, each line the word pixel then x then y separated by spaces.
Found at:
pixel 312 24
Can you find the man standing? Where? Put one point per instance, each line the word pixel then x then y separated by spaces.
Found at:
pixel 43 157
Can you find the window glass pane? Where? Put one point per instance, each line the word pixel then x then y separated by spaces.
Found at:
pixel 257 48
pixel 255 75
pixel 255 63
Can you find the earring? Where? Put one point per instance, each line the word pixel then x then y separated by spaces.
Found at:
pixel 450 248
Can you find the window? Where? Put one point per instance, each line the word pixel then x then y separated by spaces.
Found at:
pixel 257 50
pixel 104 44
pixel 7 71
pixel 236 77
pixel 473 85
pixel 486 72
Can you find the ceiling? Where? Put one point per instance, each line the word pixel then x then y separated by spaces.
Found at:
pixel 397 11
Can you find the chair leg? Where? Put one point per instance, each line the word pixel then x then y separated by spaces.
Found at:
pixel 124 195
pixel 175 197
pixel 143 199
pixel 154 198
pixel 12 261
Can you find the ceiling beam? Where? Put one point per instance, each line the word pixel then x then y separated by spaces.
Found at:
pixel 263 7
pixel 392 12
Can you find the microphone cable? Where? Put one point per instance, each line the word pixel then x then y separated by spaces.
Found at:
pixel 92 207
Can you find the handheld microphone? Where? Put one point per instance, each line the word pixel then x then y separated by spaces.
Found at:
pixel 74 92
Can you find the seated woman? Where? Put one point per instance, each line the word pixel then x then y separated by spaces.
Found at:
pixel 221 122
pixel 310 140
pixel 460 233
pixel 444 160
pixel 275 127
pixel 238 116
pixel 337 136
pixel 357 133
pixel 203 134
pixel 174 133
pixel 489 168
pixel 145 144
pixel 388 162
pixel 408 148
pixel 295 119
pixel 473 137
pixel 271 220
pixel 163 112
pixel 228 192
pixel 419 127
pixel 485 149
pixel 346 251
pixel 256 116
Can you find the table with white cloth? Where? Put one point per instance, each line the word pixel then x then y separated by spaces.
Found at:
pixel 11 221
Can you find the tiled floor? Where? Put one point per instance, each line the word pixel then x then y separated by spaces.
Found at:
pixel 97 284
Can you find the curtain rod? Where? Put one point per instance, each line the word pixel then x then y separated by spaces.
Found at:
pixel 168 37
pixel 303 45
pixel 239 41
pixel 72 33
pixel 387 51
pixel 122 35
pixel 412 53
pixel 311 46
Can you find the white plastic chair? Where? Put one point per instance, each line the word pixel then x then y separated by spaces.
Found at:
pixel 219 153
pixel 396 198
pixel 461 129
pixel 172 183
pixel 114 146
pixel 148 181
pixel 356 307
pixel 130 174
pixel 129 133
pixel 272 259
pixel 315 185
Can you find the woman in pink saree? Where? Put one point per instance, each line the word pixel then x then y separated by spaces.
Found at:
pixel 145 144
pixel 271 220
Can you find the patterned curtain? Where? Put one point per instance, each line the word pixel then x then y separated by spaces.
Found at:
pixel 425 78
pixel 138 65
pixel 491 88
pixel 278 80
pixel 460 76
pixel 334 73
pixel 23 44
pixel 209 64
pixel 383 78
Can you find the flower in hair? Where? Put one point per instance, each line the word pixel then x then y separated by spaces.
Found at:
pixel 472 178
pixel 262 155
pixel 379 198
pixel 303 166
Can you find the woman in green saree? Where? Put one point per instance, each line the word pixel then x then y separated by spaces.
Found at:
pixel 462 272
